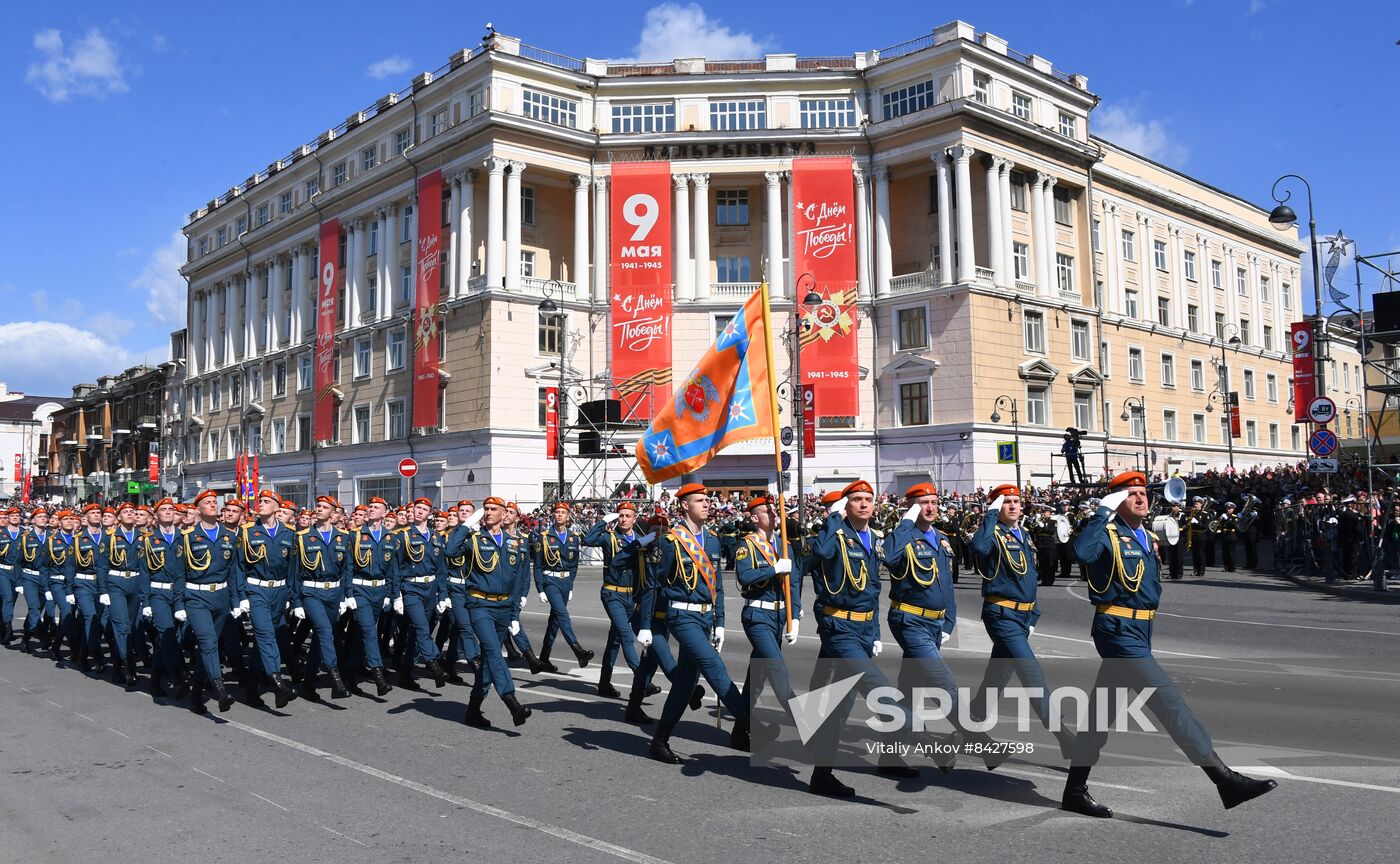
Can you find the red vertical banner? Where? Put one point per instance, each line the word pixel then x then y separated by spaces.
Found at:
pixel 824 261
pixel 427 305
pixel 153 464
pixel 551 423
pixel 28 489
pixel 1234 399
pixel 809 421
pixel 327 288
pixel 640 228
pixel 1300 339
pixel 19 467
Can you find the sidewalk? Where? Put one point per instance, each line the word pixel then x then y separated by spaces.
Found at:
pixel 1351 589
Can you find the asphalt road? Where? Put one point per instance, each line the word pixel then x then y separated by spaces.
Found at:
pixel 94 773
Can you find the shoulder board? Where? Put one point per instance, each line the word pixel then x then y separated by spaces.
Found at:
pixel 877 532
pixel 187 530
pixel 303 532
pixel 1152 534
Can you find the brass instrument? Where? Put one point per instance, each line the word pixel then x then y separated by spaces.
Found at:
pixel 1249 513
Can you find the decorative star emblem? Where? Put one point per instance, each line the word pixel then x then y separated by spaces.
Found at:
pixel 659 450
pixel 738 411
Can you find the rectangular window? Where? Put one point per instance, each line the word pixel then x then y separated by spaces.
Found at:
pixel 363 358
pixel 313 186
pixel 731 207
pixel 1034 330
pixel 1198 428
pixel 304 376
pixel 732 268
pixel 1068 126
pixel 1273 435
pixel 1268 338
pixel 1084 410
pixel 1198 376
pixel 1193 318
pixel 527 264
pixel 1079 340
pixel 1021 258
pixel 279 378
pixel 648 117
pixel 1129 253
pixel 255 442
pixel 1064 273
pixel 255 384
pixel 1018 191
pixel 1135 420
pixel 1271 387
pixel 405 283
pixel 369 157
pixel 1038 406
pixel 550 333
pixel 1021 105
pixel 1095 227
pixel 216 395
pixel 736 115
pixel 476 101
pixel 203 246
pixel 406 232
pixel 1287 291
pixel 279 435
pixel 197 399
pixel 1264 289
pixel 1249 383
pixel 1244 331
pixel 1159 254
pixel 402 139
pixel 264 214
pixel 550 108
pixel 1215 274
pixel 220 238
pixel 1251 433
pixel 1064 206
pixel 1130 303
pixel 906 100
pixel 240 227
pixel 304 433
pixel 913 328
pixel 284 204
pixel 1164 311
pixel 1189 265
pixel 527 205
pixel 395 420
pixel 1220 325
pixel 1295 438
pixel 1135 371
pixel 373 239
pixel 437 123
pixel 828 113
pixel 1168 370
pixel 981 87
pixel 214 454
pixel 1241 281
pixel 361 429
pixel 339 172
pixel 913 403
pixel 1169 424
pixel 394 350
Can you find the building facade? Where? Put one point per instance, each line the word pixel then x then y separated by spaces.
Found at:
pixel 104 436
pixel 1003 251
pixel 25 426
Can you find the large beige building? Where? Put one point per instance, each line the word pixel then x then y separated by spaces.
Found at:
pixel 1003 250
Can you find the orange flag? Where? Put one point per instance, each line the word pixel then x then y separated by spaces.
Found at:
pixel 727 398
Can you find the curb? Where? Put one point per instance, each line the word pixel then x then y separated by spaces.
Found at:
pixel 1354 592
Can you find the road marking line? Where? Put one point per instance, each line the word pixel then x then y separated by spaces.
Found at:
pixel 207 774
pixel 123 734
pixel 270 801
pixel 443 746
pixel 346 836
pixel 85 717
pixel 161 752
pixel 53 703
pixel 27 690
pixel 485 809
pixel 1269 770
pixel 1048 776
pixel 6 680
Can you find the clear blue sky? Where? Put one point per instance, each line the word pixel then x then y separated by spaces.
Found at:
pixel 119 126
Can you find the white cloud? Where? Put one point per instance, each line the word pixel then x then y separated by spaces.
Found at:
pixel 672 30
pixel 162 283
pixel 49 357
pixel 1123 125
pixel 1256 6
pixel 388 67
pixel 89 68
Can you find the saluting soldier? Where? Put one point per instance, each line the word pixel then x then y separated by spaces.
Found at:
pixel 1125 588
pixel 464 646
pixel 493 562
pixel 763 567
pixel 266 548
pixel 555 563
pixel 624 570
pixel 87 560
pixel 689 579
pixel 518 644
pixel 159 603
pixel 418 586
pixel 206 580
pixel 120 590
pixel 653 634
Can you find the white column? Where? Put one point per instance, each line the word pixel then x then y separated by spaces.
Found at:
pixel 231 291
pixel 193 347
pixel 358 264
pixel 1112 265
pixel 1038 232
pixel 701 224
pixel 1146 296
pixel 862 235
pixel 1203 283
pixel 389 254
pixel 512 255
pixel 773 231
pixel 257 314
pixel 454 236
pixel 1232 291
pixel 1280 323
pixel 352 288
pixel 495 226
pixel 1256 304
pixel 1178 265
pixel 466 241
pixel 681 265
pixel 994 222
pixel 274 302
pixel 967 254
pixel 1047 202
pixel 601 216
pixel 580 260
pixel 945 219
pixel 882 232
pixel 1008 259
pixel 213 305
pixel 300 257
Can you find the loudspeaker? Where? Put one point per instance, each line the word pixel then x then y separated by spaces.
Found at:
pixel 1386 317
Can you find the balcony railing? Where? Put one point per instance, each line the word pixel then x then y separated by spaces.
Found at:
pixel 733 289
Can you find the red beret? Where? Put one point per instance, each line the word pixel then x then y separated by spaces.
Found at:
pixel 466 502
pixel 1003 489
pixel 88 508
pixel 832 497
pixel 106 510
pixel 758 501
pixel 659 519
pixel 327 499
pixel 858 486
pixel 207 493
pixel 424 501
pixel 1126 479
pixel 690 489
pixel 562 505
pixel 919 490
pixel 494 499
pixel 37 510
pixel 375 499
pixel 511 505
pixel 163 502
pixel 361 508
pixel 268 493
pixel 125 505
pixel 627 505
pixel 13 511
pixel 235 502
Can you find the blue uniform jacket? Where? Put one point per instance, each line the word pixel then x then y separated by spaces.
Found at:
pixel 848 574
pixel 123 554
pixel 1130 578
pixel 31 554
pixel 921 569
pixel 679 580
pixel 9 550
pixel 265 555
pixel 370 559
pixel 1006 562
pixel 420 556
pixel 495 562
pixel 160 563
pixel 757 578
pixel 549 552
pixel 624 557
pixel 88 551
pixel 321 559
pixel 56 561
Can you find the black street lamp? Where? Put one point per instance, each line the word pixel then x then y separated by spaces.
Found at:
pixel 1015 429
pixel 1282 216
pixel 553 288
pixel 1138 404
pixel 1222 392
pixel 811 298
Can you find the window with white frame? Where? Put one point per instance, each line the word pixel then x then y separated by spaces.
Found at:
pixel 732 115
pixel 1249 383
pixel 644 117
pixel 732 268
pixel 406 230
pixel 255 438
pixel 279 435
pixel 1135 421
pixel 1064 205
pixel 1286 291
pixel 1193 317
pixel 313 187
pixel 1164 311
pixel 196 399
pixel 1188 265
pixel 304 376
pixel 1068 125
pixel 1079 340
pixel 1105 358
pixel 1129 246
pixel 1244 331
pixel 340 172
pixel 1198 376
pixel 255 384
pixel 395 420
pixel 1021 105
pixel 1273 435
pixel 1018 191
pixel 913 327
pixel 527 264
pixel 363 357
pixel 732 208
pixel 1095 235
pixel 221 237
pixel 550 108
pixel 1034 327
pixel 1084 410
pixel 264 214
pixel 476 101
pixel 203 246
pixel 284 203
pixel 1130 303
pixel 1220 326
pixel 550 332
pixel 373 245
pixel 402 139
pixel 405 283
pixel 1251 433
pixel 1271 387
pixel 827 113
pixel 1021 259
pixel 1241 281
pixel 1264 289
pixel 303 440
pixel 437 122
pixel 913 403
pixel 907 100
pixel 1038 405
pixel 1169 424
pixel 1268 338
pixel 1159 254
pixel 394 349
pixel 214 454
pixel 369 157
pixel 527 205
pixel 1064 272
pixel 361 429
pixel 216 395
pixel 981 87
pixel 1135 370
pixel 1198 428
pixel 1295 438
pixel 1225 434
pixel 1168 370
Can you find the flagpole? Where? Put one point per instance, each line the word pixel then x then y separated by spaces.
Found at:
pixel 777 447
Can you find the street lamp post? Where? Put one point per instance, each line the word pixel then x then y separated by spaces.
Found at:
pixel 1282 216
pixel 1140 405
pixel 799 412
pixel 553 288
pixel 1015 429
pixel 1222 391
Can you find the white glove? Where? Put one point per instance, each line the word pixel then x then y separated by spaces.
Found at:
pixel 783 565
pixel 104 599
pixel 611 517
pixel 912 514
pixel 838 508
pixel 181 615
pixel 876 647
pixel 717 640
pixel 236 612
pixel 995 506
pixel 544 598
pixel 1032 630
pixel 147 612
pixel 351 603
pixel 19 590
pixel 942 637
pixel 515 628
pixel 48 595
pixel 791 635
pixel 644 638
pixel 385 604
pixel 1113 499
pixel 245 605
pixel 523 600
pixel 71 599
pixel 340 610
pixel 58 618
pixel 299 613
pixel 475 519
pixel 398 605
pixel 444 604
pixel 571 595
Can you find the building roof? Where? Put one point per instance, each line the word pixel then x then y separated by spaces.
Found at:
pixel 23 408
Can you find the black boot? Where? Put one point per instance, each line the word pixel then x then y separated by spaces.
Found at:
pixel 653 689
pixel 24 642
pixel 824 782
pixel 1234 787
pixel 282 692
pixel 582 654
pixel 182 689
pixel 635 714
pixel 406 680
pixel 697 698
pixel 660 748
pixel 381 684
pixel 1066 739
pixel 221 693
pixel 605 686
pixel 439 674
pixel 474 717
pixel 518 713
pixel 739 735
pixel 338 688
pixel 1077 798
pixel 536 665
pixel 512 652
pixel 993 754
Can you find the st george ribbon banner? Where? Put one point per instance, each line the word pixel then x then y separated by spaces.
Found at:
pixel 427 306
pixel 1301 344
pixel 824 261
pixel 327 296
pixel 640 228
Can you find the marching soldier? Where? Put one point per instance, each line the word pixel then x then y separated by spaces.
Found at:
pixel 120 589
pixel 87 560
pixel 9 573
pixel 519 644
pixel 418 576
pixel 555 559
pixel 32 580
pixel 1197 540
pixel 159 603
pixel 265 548
pixel 653 635
pixel 493 561
pixel 1173 551
pixel 624 569
pixel 55 564
pixel 1125 588
pixel 763 568
pixel 371 560
pixel 1229 526
pixel 206 580
pixel 320 579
